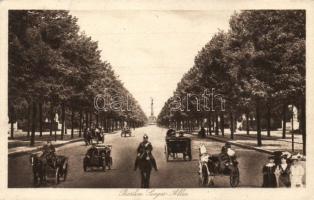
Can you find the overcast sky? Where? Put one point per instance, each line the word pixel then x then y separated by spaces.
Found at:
pixel 151 50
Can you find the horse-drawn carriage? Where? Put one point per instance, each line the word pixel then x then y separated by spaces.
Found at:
pixel 175 145
pixel 98 156
pixel 215 165
pixel 52 167
pixel 125 132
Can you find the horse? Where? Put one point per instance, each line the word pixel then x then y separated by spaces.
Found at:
pixel 205 168
pixel 206 175
pixel 145 165
pixel 39 169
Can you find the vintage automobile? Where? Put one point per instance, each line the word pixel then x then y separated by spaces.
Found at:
pixel 126 131
pixel 54 168
pixel 98 156
pixel 210 167
pixel 175 145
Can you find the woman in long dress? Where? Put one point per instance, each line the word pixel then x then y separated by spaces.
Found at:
pixel 283 173
pixel 297 173
pixel 269 177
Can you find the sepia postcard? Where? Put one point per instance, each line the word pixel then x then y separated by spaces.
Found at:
pixel 156 100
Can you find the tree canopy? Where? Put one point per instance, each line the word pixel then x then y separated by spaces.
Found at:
pixel 259 62
pixel 52 62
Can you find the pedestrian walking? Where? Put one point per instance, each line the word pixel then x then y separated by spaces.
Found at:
pixel 269 177
pixel 283 173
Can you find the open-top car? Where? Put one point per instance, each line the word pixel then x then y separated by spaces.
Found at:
pixel 125 132
pixel 98 156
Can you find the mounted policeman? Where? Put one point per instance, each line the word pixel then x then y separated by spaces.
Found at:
pixel 145 148
pixel 145 161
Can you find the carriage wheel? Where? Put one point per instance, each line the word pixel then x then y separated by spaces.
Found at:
pixel 110 163
pixel 84 164
pixel 200 181
pixel 36 180
pixel 190 156
pixel 167 153
pixel 65 172
pixel 211 181
pixel 57 176
pixel 234 177
pixel 104 165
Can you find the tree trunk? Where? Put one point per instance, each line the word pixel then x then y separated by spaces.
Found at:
pixel 11 120
pixel 90 119
pixel 217 125
pixel 12 129
pixel 191 125
pixel 40 119
pixel 303 125
pixel 247 123
pixel 62 120
pixel 222 124
pixel 97 119
pixel 210 123
pixel 284 113
pixel 213 123
pixel 33 124
pixel 109 125
pixel 80 129
pixel 29 110
pixel 86 119
pixel 268 120
pixel 65 127
pixel 258 124
pixel 103 122
pixel 51 118
pixel 106 124
pixel 56 131
pixel 72 123
pixel 231 126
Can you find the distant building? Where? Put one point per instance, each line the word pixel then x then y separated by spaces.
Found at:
pixel 152 119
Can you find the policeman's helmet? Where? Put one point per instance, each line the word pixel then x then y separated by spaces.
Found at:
pixel 145 136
